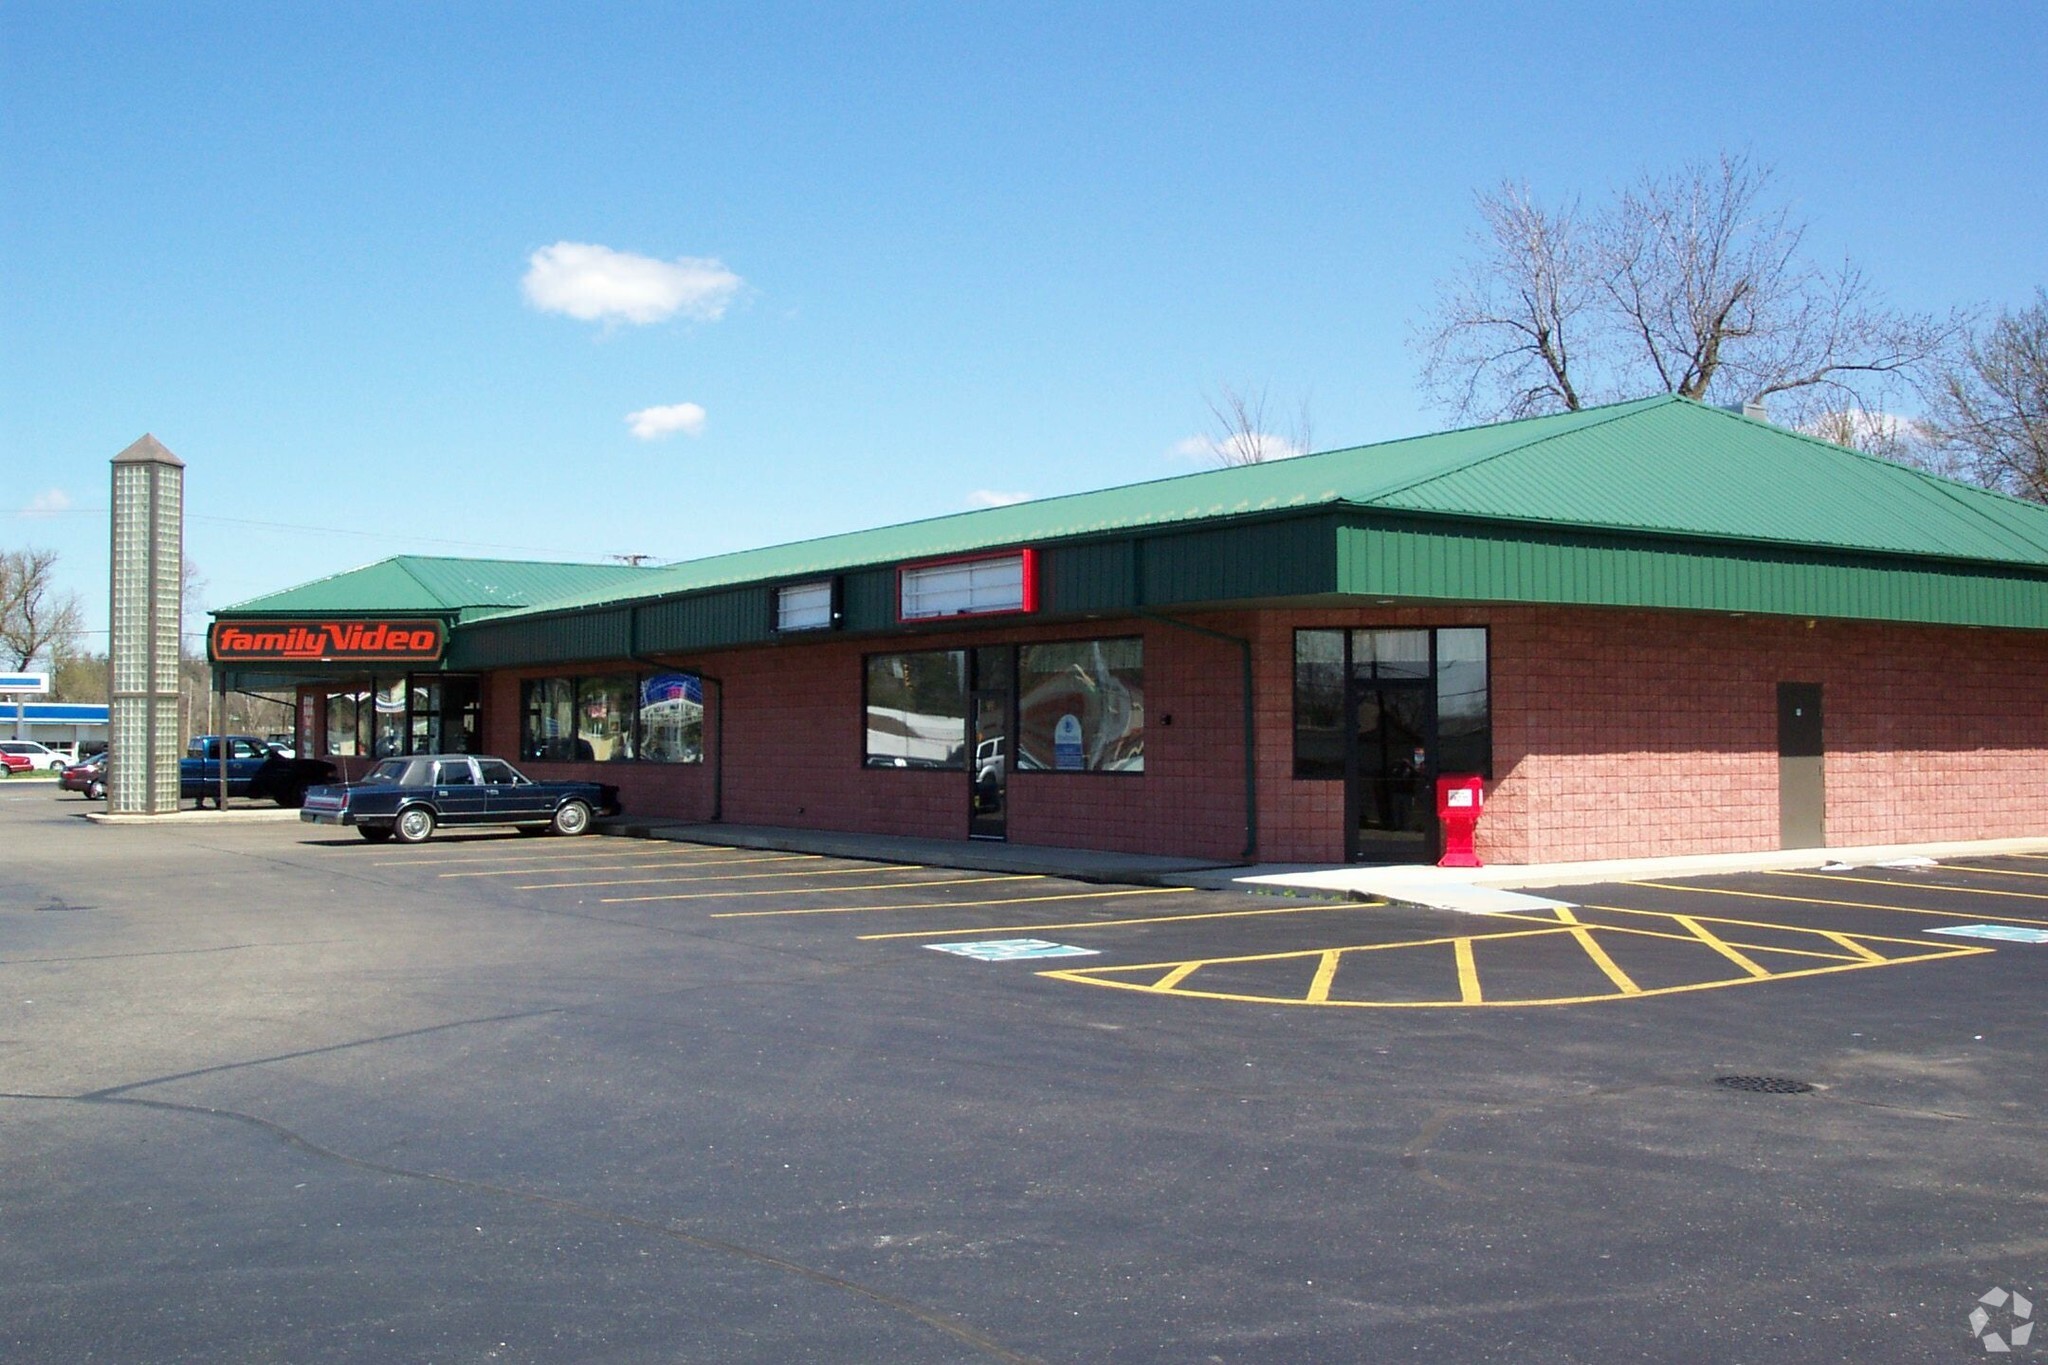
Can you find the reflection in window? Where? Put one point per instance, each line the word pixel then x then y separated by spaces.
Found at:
pixel 604 716
pixel 672 718
pixel 348 717
pixel 390 717
pixel 917 709
pixel 1464 712
pixel 1081 706
pixel 1454 658
pixel 547 719
pixel 1319 703
pixel 612 718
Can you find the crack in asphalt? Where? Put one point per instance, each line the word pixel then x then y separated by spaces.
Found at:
pixel 930 1317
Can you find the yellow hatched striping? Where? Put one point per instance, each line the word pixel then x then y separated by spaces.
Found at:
pixel 1607 965
pixel 1468 974
pixel 1818 900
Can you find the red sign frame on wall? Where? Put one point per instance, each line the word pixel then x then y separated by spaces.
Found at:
pixel 320 641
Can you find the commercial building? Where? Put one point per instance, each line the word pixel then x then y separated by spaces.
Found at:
pixel 1654 627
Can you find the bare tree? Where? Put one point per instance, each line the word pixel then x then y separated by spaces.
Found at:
pixel 1511 322
pixel 1693 283
pixel 1241 434
pixel 1988 413
pixel 37 621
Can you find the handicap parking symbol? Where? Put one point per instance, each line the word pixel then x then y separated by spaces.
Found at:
pixel 1011 949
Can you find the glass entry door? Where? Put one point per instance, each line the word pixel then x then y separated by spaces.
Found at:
pixel 1393 778
pixel 994 685
pixel 989 801
pixel 1390 752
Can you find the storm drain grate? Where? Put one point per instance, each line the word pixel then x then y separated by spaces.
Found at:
pixel 1765 1085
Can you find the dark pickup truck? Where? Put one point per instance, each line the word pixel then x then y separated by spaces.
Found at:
pixel 254 770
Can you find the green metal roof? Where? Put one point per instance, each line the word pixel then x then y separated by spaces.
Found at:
pixel 1664 466
pixel 1709 486
pixel 466 589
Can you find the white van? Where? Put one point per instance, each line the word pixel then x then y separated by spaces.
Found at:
pixel 43 756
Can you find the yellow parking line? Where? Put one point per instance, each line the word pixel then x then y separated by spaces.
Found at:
pixel 1815 900
pixel 1611 969
pixel 729 877
pixel 591 848
pixel 795 891
pixel 1326 972
pixel 1752 947
pixel 1109 923
pixel 1991 871
pixel 940 905
pixel 1468 974
pixel 633 866
pixel 1931 886
pixel 1721 946
pixel 1853 946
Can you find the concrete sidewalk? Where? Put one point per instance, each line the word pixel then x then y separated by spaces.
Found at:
pixel 1479 890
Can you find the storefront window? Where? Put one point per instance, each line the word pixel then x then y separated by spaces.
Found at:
pixel 612 718
pixel 1081 706
pixel 390 723
pixel 1464 711
pixel 917 710
pixel 348 720
pixel 1319 703
pixel 547 719
pixel 604 716
pixel 672 718
pixel 1454 658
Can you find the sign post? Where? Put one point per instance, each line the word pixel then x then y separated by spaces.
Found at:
pixel 19 685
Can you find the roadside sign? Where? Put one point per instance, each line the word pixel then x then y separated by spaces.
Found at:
pixel 24 684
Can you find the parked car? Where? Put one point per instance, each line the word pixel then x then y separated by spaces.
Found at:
pixel 253 770
pixel 38 755
pixel 16 763
pixel 89 777
pixel 408 798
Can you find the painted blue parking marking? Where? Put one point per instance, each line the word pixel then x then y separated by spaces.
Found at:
pixel 1011 949
pixel 2004 933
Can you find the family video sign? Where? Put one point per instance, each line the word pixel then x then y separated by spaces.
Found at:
pixel 325 641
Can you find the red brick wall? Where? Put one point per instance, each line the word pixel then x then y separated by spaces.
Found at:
pixel 1616 734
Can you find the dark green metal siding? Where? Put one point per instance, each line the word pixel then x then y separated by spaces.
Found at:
pixel 582 637
pixel 706 621
pixel 1283 558
pixel 1093 576
pixel 1466 562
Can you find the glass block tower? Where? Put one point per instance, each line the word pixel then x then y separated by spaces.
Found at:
pixel 142 653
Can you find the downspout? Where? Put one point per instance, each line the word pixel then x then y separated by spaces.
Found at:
pixel 717 715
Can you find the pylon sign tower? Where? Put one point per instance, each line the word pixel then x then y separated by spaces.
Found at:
pixel 142 651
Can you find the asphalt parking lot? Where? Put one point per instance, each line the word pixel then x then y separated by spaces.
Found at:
pixel 271 1093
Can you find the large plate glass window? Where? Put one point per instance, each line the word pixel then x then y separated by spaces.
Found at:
pixel 1081 706
pixel 613 718
pixel 916 707
pixel 672 718
pixel 1450 662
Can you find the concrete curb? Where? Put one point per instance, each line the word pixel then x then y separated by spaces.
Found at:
pixel 249 815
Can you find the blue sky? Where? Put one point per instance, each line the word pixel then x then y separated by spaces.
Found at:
pixel 910 255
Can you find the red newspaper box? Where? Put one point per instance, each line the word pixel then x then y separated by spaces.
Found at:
pixel 1459 799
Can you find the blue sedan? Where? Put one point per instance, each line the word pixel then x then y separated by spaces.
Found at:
pixel 408 798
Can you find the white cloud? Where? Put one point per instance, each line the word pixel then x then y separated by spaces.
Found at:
pixel 596 284
pixel 651 424
pixel 1259 445
pixel 989 497
pixel 48 503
